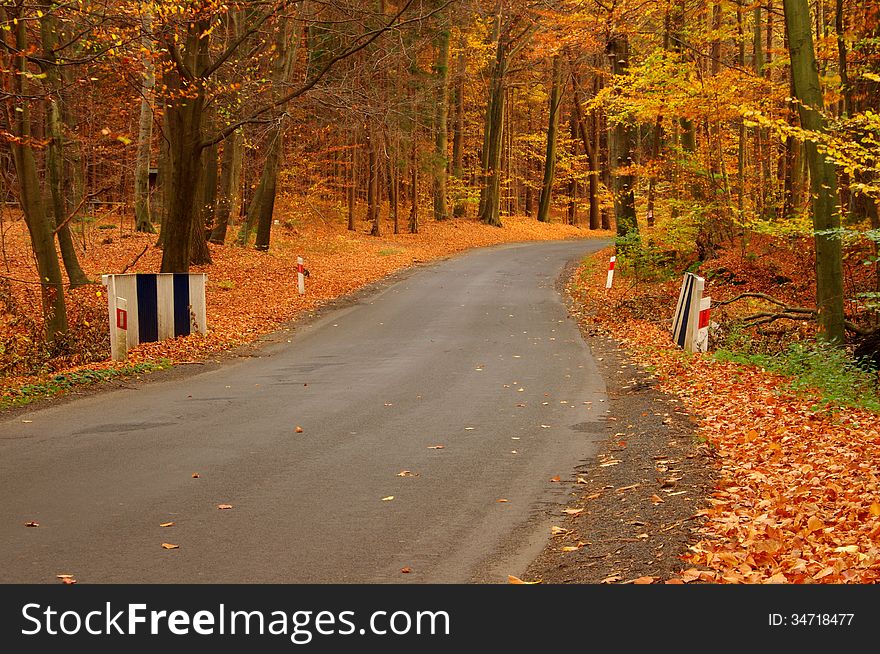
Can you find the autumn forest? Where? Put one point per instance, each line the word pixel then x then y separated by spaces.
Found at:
pixel 736 142
pixel 680 125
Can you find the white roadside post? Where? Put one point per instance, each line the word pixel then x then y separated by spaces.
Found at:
pixel 701 342
pixel 610 278
pixel 120 353
pixel 300 276
pixel 685 323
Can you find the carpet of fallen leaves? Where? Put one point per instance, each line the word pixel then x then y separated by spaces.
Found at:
pixel 798 500
pixel 249 293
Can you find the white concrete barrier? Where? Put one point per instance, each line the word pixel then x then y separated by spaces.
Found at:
pixel 154 307
pixel 686 321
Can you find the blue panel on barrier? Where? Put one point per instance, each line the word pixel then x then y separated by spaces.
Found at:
pixel 181 305
pixel 148 308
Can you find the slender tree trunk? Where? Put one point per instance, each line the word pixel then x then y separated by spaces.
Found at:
pixel 39 228
pixel 829 275
pixel 229 199
pixel 656 137
pixel 458 131
pixel 552 131
pixel 573 190
pixel 441 133
pixel 285 54
pixel 263 205
pixel 373 195
pixel 209 186
pixel 184 131
pixel 621 153
pixel 352 180
pixel 414 185
pixel 61 210
pixel 590 139
pixel 159 208
pixel 490 192
pixel 143 219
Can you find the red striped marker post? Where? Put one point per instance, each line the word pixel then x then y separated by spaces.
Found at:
pixel 701 342
pixel 300 276
pixel 121 351
pixel 610 272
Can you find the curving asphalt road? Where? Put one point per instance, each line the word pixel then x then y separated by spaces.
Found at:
pixel 475 353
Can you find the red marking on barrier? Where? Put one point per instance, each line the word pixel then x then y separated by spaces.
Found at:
pixel 121 319
pixel 704 318
pixel 300 268
pixel 611 263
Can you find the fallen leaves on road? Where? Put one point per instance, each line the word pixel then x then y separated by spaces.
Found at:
pixel 573 511
pixel 556 478
pixel 195 475
pixel 516 580
pixel 406 473
pixel 798 500
pixel 170 546
pixel 167 524
pixel 611 579
pixel 436 447
pixel 406 570
pixel 388 498
pixel 66 579
pixel 32 523
pixel 559 531
pixel 223 507
pixel 298 429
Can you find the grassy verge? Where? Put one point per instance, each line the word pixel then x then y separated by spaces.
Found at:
pixel 61 383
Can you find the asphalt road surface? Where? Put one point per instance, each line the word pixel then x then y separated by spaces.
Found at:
pixel 475 354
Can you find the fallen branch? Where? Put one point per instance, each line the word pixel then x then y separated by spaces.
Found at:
pixel 763 296
pixel 146 247
pixel 787 313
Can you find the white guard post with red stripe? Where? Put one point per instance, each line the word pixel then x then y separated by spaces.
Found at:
pixel 121 340
pixel 701 342
pixel 686 321
pixel 610 278
pixel 300 276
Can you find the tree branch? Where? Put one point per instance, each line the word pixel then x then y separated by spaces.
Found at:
pixel 359 44
pixel 771 300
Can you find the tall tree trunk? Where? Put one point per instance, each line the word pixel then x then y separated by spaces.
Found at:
pixel 263 204
pixel 209 185
pixel 656 137
pixel 62 211
pixel 286 44
pixel 552 131
pixel 39 228
pixel 458 131
pixel 352 179
pixel 184 132
pixel 441 133
pixel 229 199
pixel 490 192
pixel 143 219
pixel 414 185
pixel 573 190
pixel 374 198
pixel 621 151
pixel 829 275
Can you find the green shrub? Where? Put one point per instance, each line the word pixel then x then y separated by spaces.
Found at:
pixel 817 369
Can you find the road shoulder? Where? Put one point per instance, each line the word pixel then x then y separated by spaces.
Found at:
pixel 631 512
